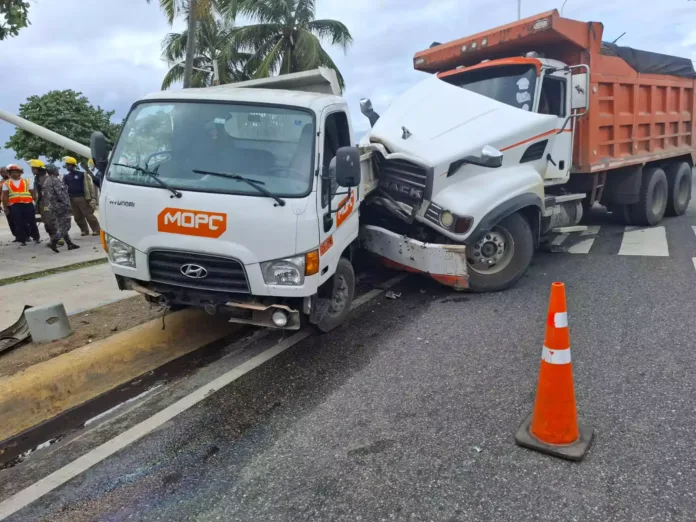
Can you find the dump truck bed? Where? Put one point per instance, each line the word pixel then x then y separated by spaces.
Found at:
pixel 641 104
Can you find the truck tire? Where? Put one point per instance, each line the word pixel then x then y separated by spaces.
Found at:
pixel 340 290
pixel 501 256
pixel 623 214
pixel 679 188
pixel 652 201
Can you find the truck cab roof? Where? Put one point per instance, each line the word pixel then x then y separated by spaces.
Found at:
pixel 307 89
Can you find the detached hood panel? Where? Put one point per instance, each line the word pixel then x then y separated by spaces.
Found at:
pixel 446 122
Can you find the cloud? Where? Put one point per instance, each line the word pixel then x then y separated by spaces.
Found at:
pixel 111 50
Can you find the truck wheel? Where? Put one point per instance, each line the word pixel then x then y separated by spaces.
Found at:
pixel 501 256
pixel 623 213
pixel 652 201
pixel 339 290
pixel 679 188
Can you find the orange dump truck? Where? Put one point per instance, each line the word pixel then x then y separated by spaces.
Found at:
pixel 630 115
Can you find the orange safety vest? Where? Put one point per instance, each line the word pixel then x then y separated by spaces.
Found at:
pixel 19 194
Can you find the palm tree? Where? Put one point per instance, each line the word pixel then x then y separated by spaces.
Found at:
pixel 193 10
pixel 287 38
pixel 213 42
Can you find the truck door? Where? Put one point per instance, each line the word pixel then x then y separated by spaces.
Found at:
pixel 338 223
pixel 553 99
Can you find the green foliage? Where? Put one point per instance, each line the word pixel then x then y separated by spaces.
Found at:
pixel 16 14
pixel 68 113
pixel 287 37
pixel 213 42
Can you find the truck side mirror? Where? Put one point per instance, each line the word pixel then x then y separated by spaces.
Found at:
pixel 579 92
pixel 348 167
pixel 100 149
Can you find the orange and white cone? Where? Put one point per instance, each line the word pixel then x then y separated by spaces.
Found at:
pixel 553 427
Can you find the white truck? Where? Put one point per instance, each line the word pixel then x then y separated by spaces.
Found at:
pixel 246 198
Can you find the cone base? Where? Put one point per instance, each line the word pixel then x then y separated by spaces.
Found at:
pixel 575 451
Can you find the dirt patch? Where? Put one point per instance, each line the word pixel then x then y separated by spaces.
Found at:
pixel 90 326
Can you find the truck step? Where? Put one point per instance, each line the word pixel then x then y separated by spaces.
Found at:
pixel 568 230
pixel 569 197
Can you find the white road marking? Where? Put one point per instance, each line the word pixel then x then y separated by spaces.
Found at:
pixel 98 454
pixel 645 242
pixel 559 239
pixel 694 260
pixel 694 229
pixel 582 247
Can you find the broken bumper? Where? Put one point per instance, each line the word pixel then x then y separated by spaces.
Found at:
pixel 444 263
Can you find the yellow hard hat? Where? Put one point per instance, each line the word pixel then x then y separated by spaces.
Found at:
pixel 69 160
pixel 37 163
pixel 90 163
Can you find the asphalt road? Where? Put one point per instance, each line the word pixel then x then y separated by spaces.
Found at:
pixel 408 412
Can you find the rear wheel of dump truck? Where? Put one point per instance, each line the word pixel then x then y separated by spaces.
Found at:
pixel 679 188
pixel 652 202
pixel 501 256
pixel 339 291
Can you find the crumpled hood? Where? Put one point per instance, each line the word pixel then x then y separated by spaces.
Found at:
pixel 447 122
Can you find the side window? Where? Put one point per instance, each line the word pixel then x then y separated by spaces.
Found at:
pixel 552 98
pixel 336 135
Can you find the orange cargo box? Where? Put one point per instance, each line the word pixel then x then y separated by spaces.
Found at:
pixel 641 104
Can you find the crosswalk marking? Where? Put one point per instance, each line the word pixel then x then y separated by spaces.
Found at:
pixel 584 246
pixel 694 229
pixel 694 260
pixel 645 242
pixel 559 239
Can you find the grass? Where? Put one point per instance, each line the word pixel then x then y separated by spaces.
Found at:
pixel 51 271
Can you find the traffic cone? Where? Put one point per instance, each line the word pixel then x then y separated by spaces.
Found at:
pixel 553 426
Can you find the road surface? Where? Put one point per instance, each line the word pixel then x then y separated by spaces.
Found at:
pixel 408 412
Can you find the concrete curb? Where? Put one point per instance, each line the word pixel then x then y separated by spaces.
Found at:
pixel 47 389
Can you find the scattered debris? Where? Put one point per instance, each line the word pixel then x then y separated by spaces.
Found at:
pixel 392 295
pixel 114 328
pixel 422 291
pixel 477 449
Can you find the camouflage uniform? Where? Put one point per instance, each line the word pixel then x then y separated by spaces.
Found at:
pixel 57 199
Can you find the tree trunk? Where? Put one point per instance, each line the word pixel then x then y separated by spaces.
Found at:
pixel 190 43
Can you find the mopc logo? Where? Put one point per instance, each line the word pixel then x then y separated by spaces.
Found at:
pixel 192 222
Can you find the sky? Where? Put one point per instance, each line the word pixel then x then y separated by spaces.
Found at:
pixel 110 51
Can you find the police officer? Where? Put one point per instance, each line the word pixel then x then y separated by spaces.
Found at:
pixel 83 197
pixel 17 197
pixel 58 200
pixel 38 168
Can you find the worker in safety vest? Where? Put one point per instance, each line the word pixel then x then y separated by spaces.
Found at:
pixel 38 168
pixel 18 198
pixel 83 197
pixel 4 176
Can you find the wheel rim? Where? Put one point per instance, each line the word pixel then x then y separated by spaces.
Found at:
pixel 340 295
pixel 659 199
pixel 683 189
pixel 492 253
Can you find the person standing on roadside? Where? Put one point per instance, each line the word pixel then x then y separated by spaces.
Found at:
pixel 83 197
pixel 38 168
pixel 58 200
pixel 4 176
pixel 18 198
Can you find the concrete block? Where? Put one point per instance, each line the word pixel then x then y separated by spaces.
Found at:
pixel 48 323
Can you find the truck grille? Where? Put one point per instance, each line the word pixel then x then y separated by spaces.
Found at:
pixel 224 275
pixel 403 180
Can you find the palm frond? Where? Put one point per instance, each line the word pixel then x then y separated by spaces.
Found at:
pixel 304 11
pixel 174 75
pixel 267 11
pixel 332 31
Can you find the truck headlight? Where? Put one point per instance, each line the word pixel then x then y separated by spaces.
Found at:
pixel 289 271
pixel 119 252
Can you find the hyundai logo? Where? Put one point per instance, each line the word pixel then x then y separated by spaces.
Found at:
pixel 194 271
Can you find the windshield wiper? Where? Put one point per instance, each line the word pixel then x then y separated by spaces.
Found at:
pixel 154 176
pixel 251 182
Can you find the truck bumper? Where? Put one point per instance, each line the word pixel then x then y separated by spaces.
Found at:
pixel 444 263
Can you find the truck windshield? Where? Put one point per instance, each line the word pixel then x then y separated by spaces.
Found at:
pixel 510 84
pixel 269 145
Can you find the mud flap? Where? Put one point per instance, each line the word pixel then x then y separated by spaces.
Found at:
pixel 444 263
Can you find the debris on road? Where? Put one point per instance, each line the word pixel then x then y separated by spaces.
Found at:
pixel 392 295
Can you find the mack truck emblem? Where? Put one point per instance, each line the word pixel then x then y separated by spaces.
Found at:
pixel 194 271
pixel 393 186
pixel 406 133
